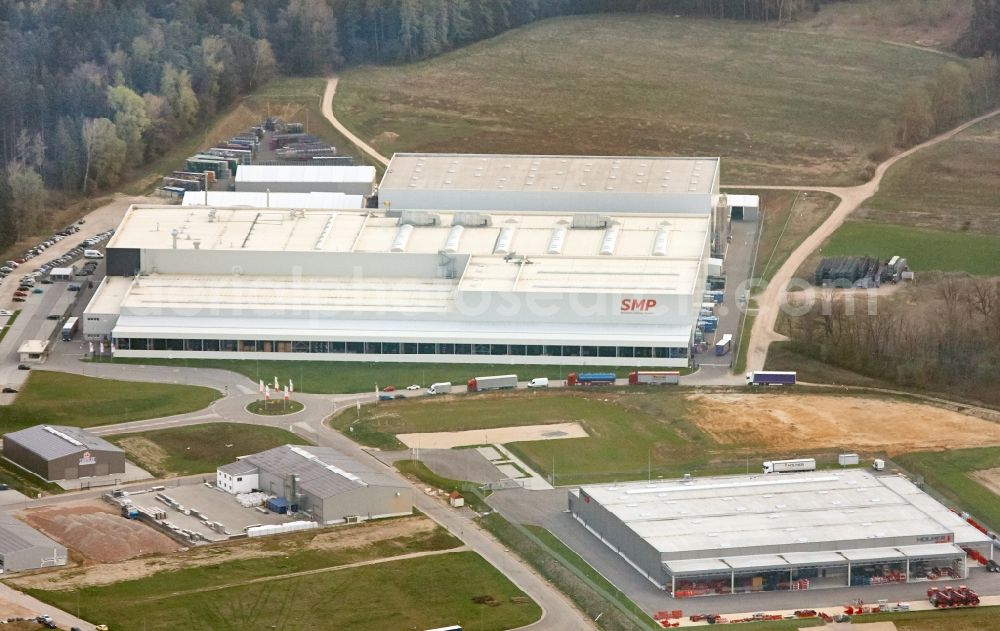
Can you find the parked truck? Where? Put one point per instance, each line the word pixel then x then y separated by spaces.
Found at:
pixel 495 382
pixel 654 377
pixel 771 378
pixel 591 379
pixel 724 345
pixel 790 466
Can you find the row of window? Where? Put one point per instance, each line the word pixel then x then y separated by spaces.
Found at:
pixel 400 348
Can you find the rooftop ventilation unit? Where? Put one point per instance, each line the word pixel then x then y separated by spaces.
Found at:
pixel 610 239
pixel 471 220
pixel 590 221
pixel 419 218
pixel 402 238
pixel 454 237
pixel 660 242
pixel 69 439
pixel 325 233
pixel 504 241
pixel 557 240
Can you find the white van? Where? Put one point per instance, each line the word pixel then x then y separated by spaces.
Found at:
pixel 92 254
pixel 539 382
pixel 443 387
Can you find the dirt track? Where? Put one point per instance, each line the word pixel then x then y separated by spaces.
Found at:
pixel 784 421
pixel 990 478
pixel 447 440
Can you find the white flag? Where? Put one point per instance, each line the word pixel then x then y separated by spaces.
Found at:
pixel 267 393
pixel 291 386
pixel 261 388
pixel 91 348
pixel 113 349
pixel 276 386
pixel 286 393
pixel 102 348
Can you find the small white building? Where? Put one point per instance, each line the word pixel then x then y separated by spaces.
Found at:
pixel 62 273
pixel 237 477
pixel 743 207
pixel 36 351
pixel 350 180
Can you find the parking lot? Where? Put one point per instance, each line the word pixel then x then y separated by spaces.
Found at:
pixel 212 504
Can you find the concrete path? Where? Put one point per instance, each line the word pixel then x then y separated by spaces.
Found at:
pixel 38 608
pixel 774 296
pixel 327 108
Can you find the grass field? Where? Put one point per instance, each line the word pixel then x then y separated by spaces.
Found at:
pixel 65 399
pixel 952 186
pixel 259 594
pixel 977 619
pixel 633 434
pixel 947 472
pixel 924 250
pixel 293 98
pixel 640 85
pixel 199 448
pixel 343 377
pixel 789 217
pixel 275 407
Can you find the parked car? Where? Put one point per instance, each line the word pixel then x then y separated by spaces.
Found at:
pixel 8 390
pixel 18 299
pixel 389 389
pixel 74 287
pixel 386 396
pixel 413 387
pixel 54 316
pixel 36 290
pixel 46 281
pixel 20 294
pixel 23 367
pixel 6 312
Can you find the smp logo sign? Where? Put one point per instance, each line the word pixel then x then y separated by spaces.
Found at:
pixel 637 305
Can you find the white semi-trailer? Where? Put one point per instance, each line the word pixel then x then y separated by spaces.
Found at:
pixel 790 466
pixel 495 382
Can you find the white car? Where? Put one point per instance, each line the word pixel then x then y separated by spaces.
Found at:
pixel 6 312
pixel 413 387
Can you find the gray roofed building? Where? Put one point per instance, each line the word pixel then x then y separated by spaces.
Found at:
pixel 24 548
pixel 59 452
pixel 320 481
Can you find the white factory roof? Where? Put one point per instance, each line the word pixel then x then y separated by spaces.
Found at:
pixel 33 347
pixel 251 199
pixel 751 201
pixel 596 174
pixel 306 174
pixel 809 513
pixel 660 237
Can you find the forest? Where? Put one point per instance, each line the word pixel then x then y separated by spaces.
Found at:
pixel 92 89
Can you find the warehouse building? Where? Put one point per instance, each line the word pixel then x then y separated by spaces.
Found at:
pixel 225 199
pixel 322 482
pixel 56 452
pixel 350 180
pixel 741 534
pixel 24 548
pixel 572 289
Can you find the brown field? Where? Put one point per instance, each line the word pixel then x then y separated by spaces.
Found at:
pixel 786 421
pixel 326 540
pixel 97 531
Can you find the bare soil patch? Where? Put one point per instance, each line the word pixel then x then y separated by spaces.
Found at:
pixel 447 440
pixel 325 540
pixel 145 451
pixel 787 421
pixel 98 532
pixel 990 478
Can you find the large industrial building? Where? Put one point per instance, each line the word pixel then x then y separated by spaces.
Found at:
pixel 549 287
pixel 56 452
pixel 740 534
pixel 24 548
pixel 319 481
pixel 329 201
pixel 350 180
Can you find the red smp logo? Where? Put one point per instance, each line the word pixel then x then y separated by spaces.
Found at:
pixel 637 305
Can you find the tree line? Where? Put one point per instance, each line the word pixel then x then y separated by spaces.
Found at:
pixel 944 336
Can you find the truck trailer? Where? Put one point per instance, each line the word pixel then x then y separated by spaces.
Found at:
pixel 591 379
pixel 724 345
pixel 790 466
pixel 654 378
pixel 771 378
pixel 495 382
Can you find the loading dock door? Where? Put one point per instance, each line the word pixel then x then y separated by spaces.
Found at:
pixel 737 213
pixel 101 469
pixel 71 473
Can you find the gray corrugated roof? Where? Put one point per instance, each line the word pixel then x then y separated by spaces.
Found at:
pixel 240 467
pixel 16 536
pixel 327 473
pixel 50 446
